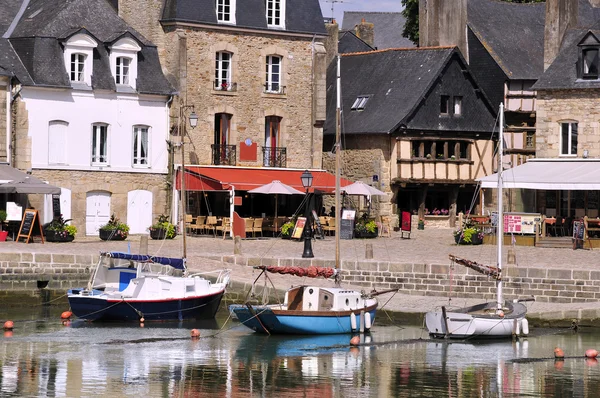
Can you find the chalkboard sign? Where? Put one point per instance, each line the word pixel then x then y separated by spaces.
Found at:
pixel 347 224
pixel 55 206
pixel 319 231
pixel 30 220
pixel 578 234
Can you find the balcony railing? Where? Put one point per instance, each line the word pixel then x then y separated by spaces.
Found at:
pixel 224 155
pixel 274 157
pixel 222 85
pixel 274 88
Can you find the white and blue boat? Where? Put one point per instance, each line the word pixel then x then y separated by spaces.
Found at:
pixel 130 287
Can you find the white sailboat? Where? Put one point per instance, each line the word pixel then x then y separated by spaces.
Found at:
pixel 310 309
pixel 491 319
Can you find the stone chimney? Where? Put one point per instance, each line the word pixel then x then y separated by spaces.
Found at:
pixel 366 32
pixel 331 43
pixel 443 23
pixel 560 16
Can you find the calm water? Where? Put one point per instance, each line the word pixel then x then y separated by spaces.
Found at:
pixel 43 357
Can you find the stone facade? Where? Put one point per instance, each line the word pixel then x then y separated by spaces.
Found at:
pixel 4 119
pixel 556 106
pixel 188 58
pixel 117 184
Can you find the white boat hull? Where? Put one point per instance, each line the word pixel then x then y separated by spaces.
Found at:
pixel 478 321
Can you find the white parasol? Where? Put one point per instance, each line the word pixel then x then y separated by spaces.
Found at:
pixel 360 188
pixel 277 188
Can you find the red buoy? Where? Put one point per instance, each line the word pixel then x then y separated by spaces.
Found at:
pixel 591 353
pixel 9 325
pixel 66 315
pixel 355 340
pixel 195 333
pixel 558 353
pixel 142 320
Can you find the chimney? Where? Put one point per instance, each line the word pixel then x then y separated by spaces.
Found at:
pixel 366 31
pixel 560 16
pixel 331 43
pixel 443 23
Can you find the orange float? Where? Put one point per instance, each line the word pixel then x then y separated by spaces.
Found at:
pixel 9 325
pixel 591 353
pixel 66 315
pixel 195 333
pixel 355 340
pixel 558 353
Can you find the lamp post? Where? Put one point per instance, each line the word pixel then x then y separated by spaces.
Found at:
pixel 193 118
pixel 307 179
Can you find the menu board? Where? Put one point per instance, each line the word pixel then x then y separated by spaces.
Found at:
pixel 347 224
pixel 521 223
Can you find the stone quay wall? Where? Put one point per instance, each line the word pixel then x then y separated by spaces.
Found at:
pixel 22 271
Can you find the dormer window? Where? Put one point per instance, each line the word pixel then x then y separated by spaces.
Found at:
pixel 225 11
pixel 590 63
pixel 275 13
pixel 122 72
pixel 124 62
pixel 78 58
pixel 77 67
pixel 359 103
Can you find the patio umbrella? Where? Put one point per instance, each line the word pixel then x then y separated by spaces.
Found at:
pixel 277 188
pixel 360 188
pixel 15 181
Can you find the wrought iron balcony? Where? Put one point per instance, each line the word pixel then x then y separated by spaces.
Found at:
pixel 224 155
pixel 223 85
pixel 274 157
pixel 274 88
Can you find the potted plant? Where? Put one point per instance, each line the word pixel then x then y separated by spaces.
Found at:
pixel 365 228
pixel 59 231
pixel 468 236
pixel 287 229
pixel 114 229
pixel 162 228
pixel 421 224
pixel 3 233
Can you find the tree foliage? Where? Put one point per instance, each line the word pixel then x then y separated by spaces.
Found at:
pixel 411 14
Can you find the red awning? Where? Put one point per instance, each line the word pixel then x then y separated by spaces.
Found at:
pixel 204 178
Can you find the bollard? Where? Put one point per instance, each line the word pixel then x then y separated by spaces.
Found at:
pixel 369 251
pixel 144 244
pixel 237 245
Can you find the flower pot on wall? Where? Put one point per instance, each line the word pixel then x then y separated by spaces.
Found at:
pixel 112 234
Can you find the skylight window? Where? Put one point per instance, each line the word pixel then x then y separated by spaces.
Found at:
pixel 360 102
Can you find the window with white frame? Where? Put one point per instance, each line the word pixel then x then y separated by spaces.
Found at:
pixel 457 106
pixel 223 71
pixel 77 67
pixel 78 58
pixel 140 146
pixel 273 74
pixel 57 142
pixel 225 11
pixel 99 144
pixel 275 13
pixel 122 71
pixel 568 138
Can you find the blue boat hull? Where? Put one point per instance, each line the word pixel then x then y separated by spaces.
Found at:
pixel 296 322
pixel 97 308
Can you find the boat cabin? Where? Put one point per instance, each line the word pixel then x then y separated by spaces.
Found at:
pixel 312 298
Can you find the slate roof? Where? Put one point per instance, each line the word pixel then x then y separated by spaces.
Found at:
pixel 33 51
pixel 388 27
pixel 396 80
pixel 515 38
pixel 301 16
pixel 348 42
pixel 562 73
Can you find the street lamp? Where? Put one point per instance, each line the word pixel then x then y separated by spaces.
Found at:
pixel 307 179
pixel 193 119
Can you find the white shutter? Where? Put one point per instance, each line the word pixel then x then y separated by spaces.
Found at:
pixel 57 141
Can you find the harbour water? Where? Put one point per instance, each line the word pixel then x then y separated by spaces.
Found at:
pixel 44 357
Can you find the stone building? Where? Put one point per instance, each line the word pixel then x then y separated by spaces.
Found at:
pixel 85 107
pixel 414 124
pixel 254 73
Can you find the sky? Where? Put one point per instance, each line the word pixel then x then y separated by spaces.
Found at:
pixel 339 6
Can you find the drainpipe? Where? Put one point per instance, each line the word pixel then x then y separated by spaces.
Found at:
pixel 312 103
pixel 8 122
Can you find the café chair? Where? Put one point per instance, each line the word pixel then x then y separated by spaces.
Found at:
pixel 224 227
pixel 330 227
pixel 249 224
pixel 211 225
pixel 257 226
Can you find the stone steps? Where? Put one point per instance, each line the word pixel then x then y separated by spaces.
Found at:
pixel 564 242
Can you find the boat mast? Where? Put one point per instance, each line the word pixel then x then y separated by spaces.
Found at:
pixel 500 223
pixel 183 210
pixel 338 162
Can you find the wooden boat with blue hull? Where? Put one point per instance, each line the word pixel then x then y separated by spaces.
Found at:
pixel 311 310
pixel 128 287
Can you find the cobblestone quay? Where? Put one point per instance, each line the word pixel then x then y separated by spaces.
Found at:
pixel 565 282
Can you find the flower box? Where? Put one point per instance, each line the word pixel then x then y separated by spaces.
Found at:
pixel 160 233
pixel 366 234
pixel 58 236
pixel 475 240
pixel 112 234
